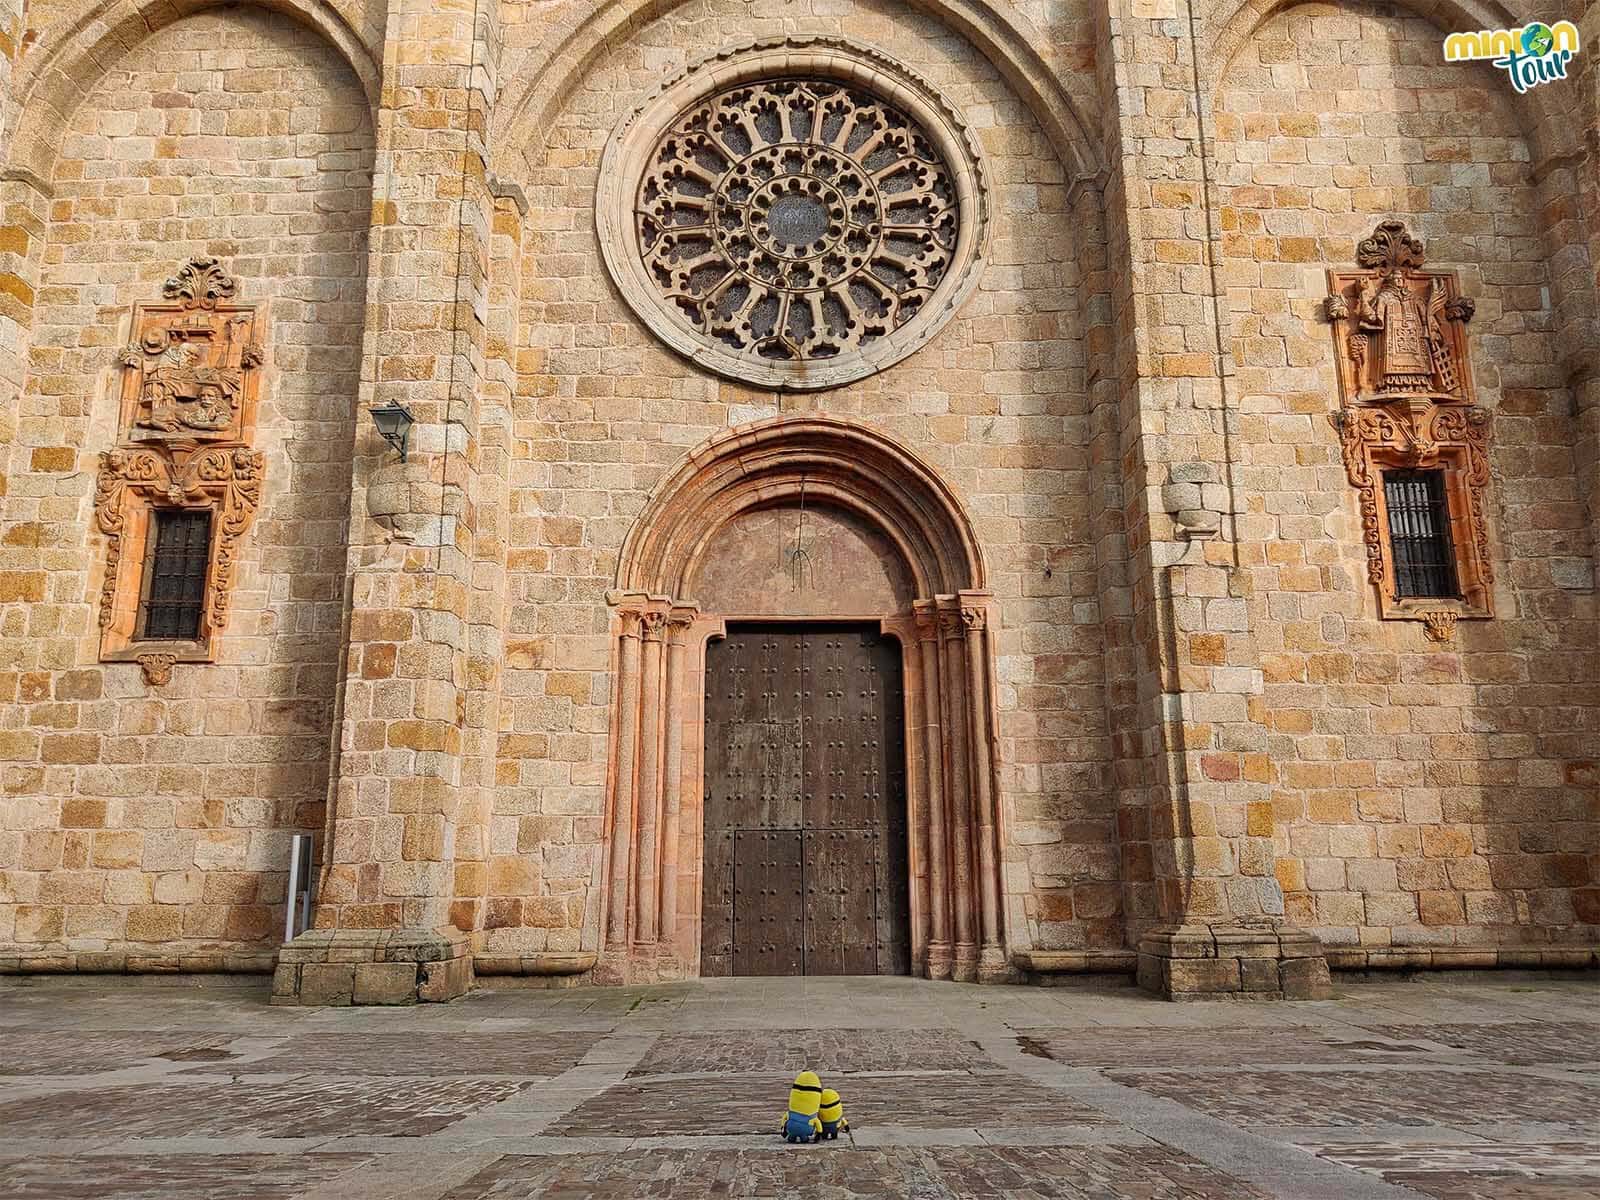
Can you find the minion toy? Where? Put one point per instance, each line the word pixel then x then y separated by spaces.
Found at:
pixel 800 1124
pixel 832 1115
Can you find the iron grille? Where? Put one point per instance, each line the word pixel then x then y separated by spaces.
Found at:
pixel 175 575
pixel 1419 535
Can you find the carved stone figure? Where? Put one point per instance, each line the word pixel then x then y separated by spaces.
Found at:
pixel 157 668
pixel 1399 330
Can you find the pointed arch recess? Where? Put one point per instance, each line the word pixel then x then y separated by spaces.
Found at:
pixel 1063 102
pixel 76 52
pixel 651 896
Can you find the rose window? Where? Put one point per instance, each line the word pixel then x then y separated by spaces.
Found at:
pixel 793 232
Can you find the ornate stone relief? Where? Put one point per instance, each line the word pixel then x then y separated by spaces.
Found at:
pixel 1440 626
pixel 157 668
pixel 1407 402
pixel 795 214
pixel 189 374
pixel 188 394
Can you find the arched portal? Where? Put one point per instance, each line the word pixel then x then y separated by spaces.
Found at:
pixel 884 545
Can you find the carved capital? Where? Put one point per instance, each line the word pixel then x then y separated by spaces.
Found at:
pixel 678 621
pixel 950 625
pixel 654 622
pixel 628 622
pixel 157 668
pixel 975 619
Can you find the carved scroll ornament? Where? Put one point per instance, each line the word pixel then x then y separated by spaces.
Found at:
pixel 1406 402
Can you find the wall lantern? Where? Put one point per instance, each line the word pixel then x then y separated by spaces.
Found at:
pixel 394 423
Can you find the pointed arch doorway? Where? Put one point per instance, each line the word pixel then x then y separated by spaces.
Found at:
pixel 827 541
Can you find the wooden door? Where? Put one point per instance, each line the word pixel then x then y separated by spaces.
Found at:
pixel 805 807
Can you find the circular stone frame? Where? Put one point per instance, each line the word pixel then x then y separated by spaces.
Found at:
pixel 634 142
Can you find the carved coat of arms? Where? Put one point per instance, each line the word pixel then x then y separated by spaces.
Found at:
pixel 190 372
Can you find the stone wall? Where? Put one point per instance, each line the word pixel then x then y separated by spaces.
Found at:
pixel 148 821
pixel 996 403
pixel 1188 735
pixel 1423 794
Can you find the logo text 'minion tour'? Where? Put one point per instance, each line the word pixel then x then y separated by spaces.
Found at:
pixel 1530 54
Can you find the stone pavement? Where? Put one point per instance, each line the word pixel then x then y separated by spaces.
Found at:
pixel 1456 1088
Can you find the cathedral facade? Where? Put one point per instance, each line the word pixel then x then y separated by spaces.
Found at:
pixel 981 489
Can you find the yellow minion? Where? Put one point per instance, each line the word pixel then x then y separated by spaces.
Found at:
pixel 800 1123
pixel 831 1115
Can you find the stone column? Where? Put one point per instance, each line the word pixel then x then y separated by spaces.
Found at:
pixel 623 790
pixel 938 963
pixel 974 616
pixel 953 673
pixel 649 798
pixel 678 621
pixel 1193 794
pixel 401 781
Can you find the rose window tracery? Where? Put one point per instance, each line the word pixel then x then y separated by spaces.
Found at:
pixel 793 227
pixel 797 219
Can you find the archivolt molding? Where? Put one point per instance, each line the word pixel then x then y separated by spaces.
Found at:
pixel 54 77
pixel 1065 106
pixel 763 463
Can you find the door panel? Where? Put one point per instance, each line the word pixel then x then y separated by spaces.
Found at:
pixel 805 811
pixel 841 919
pixel 768 903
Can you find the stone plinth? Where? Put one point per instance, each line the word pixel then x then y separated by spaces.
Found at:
pixel 1234 961
pixel 373 966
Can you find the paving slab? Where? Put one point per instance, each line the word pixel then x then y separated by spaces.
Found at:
pixel 1453 1088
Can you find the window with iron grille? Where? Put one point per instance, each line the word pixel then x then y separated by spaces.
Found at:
pixel 1419 535
pixel 176 556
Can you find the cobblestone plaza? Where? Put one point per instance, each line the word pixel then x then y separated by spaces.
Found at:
pixel 1449 1089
